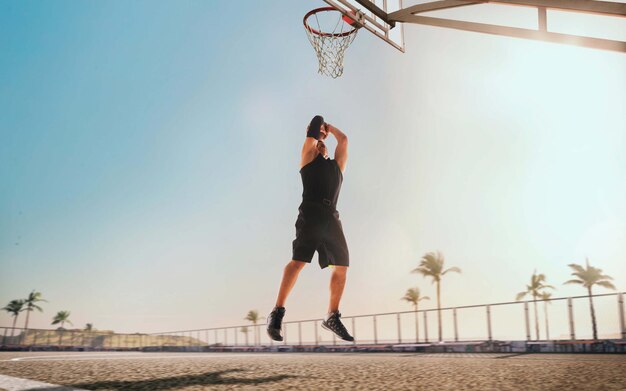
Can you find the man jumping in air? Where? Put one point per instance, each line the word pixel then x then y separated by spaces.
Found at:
pixel 318 227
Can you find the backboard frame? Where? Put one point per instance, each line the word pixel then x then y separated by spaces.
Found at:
pixel 374 19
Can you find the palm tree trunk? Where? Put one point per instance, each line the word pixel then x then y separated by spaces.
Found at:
pixel 13 328
pixel 593 316
pixel 27 315
pixel 439 308
pixel 417 334
pixel 25 324
pixel 536 319
pixel 545 314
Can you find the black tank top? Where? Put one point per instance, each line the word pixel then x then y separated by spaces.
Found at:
pixel 321 181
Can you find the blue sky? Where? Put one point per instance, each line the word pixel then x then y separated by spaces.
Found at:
pixel 149 161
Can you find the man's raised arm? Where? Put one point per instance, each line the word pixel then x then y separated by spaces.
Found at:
pixel 341 152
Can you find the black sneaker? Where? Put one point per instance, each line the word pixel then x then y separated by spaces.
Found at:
pixel 274 323
pixel 334 324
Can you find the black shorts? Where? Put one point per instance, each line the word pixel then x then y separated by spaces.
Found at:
pixel 318 228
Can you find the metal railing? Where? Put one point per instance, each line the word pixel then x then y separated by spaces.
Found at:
pixel 517 320
pixel 555 319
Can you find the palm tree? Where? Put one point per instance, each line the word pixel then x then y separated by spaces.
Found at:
pixel 245 330
pixel 88 331
pixel 413 296
pixel 431 265
pixel 253 316
pixel 588 277
pixel 30 302
pixel 14 307
pixel 62 317
pixel 534 289
pixel 545 297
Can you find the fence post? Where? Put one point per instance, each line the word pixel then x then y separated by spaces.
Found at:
pixel 399 329
pixel 4 337
pixel 620 303
pixel 489 322
pixel 375 332
pixel 317 340
pixel 425 326
pixel 456 327
pixel 285 332
pixel 570 313
pixel 527 321
pixel 300 333
pixel 354 331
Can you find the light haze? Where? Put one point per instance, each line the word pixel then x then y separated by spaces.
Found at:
pixel 149 162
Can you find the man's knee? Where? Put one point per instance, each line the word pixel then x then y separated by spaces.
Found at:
pixel 293 264
pixel 342 270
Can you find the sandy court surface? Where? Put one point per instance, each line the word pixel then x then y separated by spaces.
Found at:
pixel 320 371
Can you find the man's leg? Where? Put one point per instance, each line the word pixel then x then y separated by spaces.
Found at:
pixel 337 283
pixel 290 275
pixel 332 321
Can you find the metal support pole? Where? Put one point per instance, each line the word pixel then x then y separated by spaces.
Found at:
pixel 425 326
pixel 456 326
pixel 354 331
pixel 489 323
pixel 225 337
pixel 620 303
pixel 375 331
pixel 317 340
pixel 285 334
pixel 542 18
pixel 399 329
pixel 300 333
pixel 236 336
pixel 527 321
pixel 570 313
pixel 215 335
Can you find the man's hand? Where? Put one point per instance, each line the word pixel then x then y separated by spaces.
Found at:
pixel 335 132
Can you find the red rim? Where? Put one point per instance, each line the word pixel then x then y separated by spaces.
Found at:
pixel 320 33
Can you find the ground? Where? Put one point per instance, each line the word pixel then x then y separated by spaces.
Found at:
pixel 319 371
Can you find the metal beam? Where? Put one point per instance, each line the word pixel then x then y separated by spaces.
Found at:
pixel 432 6
pixel 374 9
pixel 594 43
pixel 589 6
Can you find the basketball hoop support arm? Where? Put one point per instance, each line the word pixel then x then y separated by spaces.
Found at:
pixel 605 8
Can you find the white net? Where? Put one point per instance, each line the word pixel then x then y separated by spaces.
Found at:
pixel 329 43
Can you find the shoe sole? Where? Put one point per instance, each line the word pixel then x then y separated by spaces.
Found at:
pixel 273 339
pixel 326 328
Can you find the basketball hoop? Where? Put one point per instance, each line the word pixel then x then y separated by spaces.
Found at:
pixel 330 46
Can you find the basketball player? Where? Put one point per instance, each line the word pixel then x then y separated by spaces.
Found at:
pixel 318 227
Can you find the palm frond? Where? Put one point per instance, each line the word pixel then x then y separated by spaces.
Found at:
pixel 577 267
pixel 573 282
pixel 520 295
pixel 452 269
pixel 606 284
